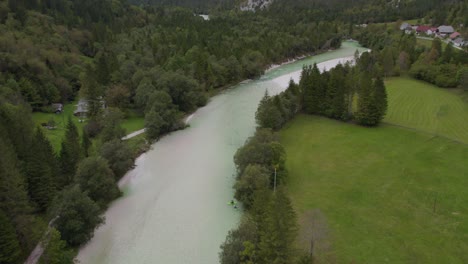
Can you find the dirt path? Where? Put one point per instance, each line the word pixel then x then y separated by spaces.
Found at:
pixel 134 134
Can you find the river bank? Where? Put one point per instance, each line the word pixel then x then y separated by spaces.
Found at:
pixel 174 205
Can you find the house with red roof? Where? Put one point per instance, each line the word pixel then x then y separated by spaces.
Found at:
pixel 422 29
pixel 454 35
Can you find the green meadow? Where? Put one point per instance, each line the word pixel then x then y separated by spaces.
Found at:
pixel 131 123
pixel 427 108
pixel 388 194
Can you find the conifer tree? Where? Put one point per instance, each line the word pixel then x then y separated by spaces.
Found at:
pixel 9 246
pixel 277 239
pixel 85 143
pixel 337 93
pixel 380 98
pixel 310 88
pixel 363 115
pixel 321 90
pixel 372 104
pixel 41 171
pixel 13 194
pixel 387 61
pixel 448 54
pixel 70 154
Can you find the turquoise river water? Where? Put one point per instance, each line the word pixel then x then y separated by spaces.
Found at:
pixel 175 205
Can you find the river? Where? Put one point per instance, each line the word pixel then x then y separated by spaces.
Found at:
pixel 174 208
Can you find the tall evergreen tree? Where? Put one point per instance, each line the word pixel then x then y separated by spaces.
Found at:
pixel 380 98
pixel 310 88
pixel 268 113
pixel 10 249
pixel 364 115
pixel 70 154
pixel 41 171
pixel 277 240
pixel 388 61
pixel 448 54
pixel 13 195
pixel 337 84
pixel 85 143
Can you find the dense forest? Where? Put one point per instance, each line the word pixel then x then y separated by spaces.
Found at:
pixel 163 62
pixel 159 61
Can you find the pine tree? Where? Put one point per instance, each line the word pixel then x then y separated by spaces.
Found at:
pixel 277 239
pixel 363 115
pixel 85 143
pixel 387 61
pixel 70 154
pixel 322 92
pixel 41 171
pixel 9 246
pixel 337 93
pixel 372 104
pixel 380 98
pixel 448 54
pixel 311 89
pixel 13 195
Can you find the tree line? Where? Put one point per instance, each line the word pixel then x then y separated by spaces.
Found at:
pixel 268 229
pixel 70 189
pixel 343 93
pixel 399 54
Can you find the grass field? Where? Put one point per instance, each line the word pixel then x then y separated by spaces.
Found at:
pixel 422 106
pixel 132 123
pixel 428 44
pixel 377 188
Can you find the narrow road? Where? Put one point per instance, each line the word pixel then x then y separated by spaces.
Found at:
pixel 443 40
pixel 39 249
pixel 134 134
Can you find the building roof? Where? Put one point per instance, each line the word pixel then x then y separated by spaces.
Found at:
pixel 446 29
pixel 82 106
pixel 423 28
pixel 454 35
pixel 458 41
pixel 404 26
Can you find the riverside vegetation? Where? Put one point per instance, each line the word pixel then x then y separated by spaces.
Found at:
pixel 161 62
pixel 269 229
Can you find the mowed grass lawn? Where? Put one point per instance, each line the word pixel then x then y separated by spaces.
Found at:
pixel 376 188
pixel 131 123
pixel 425 107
